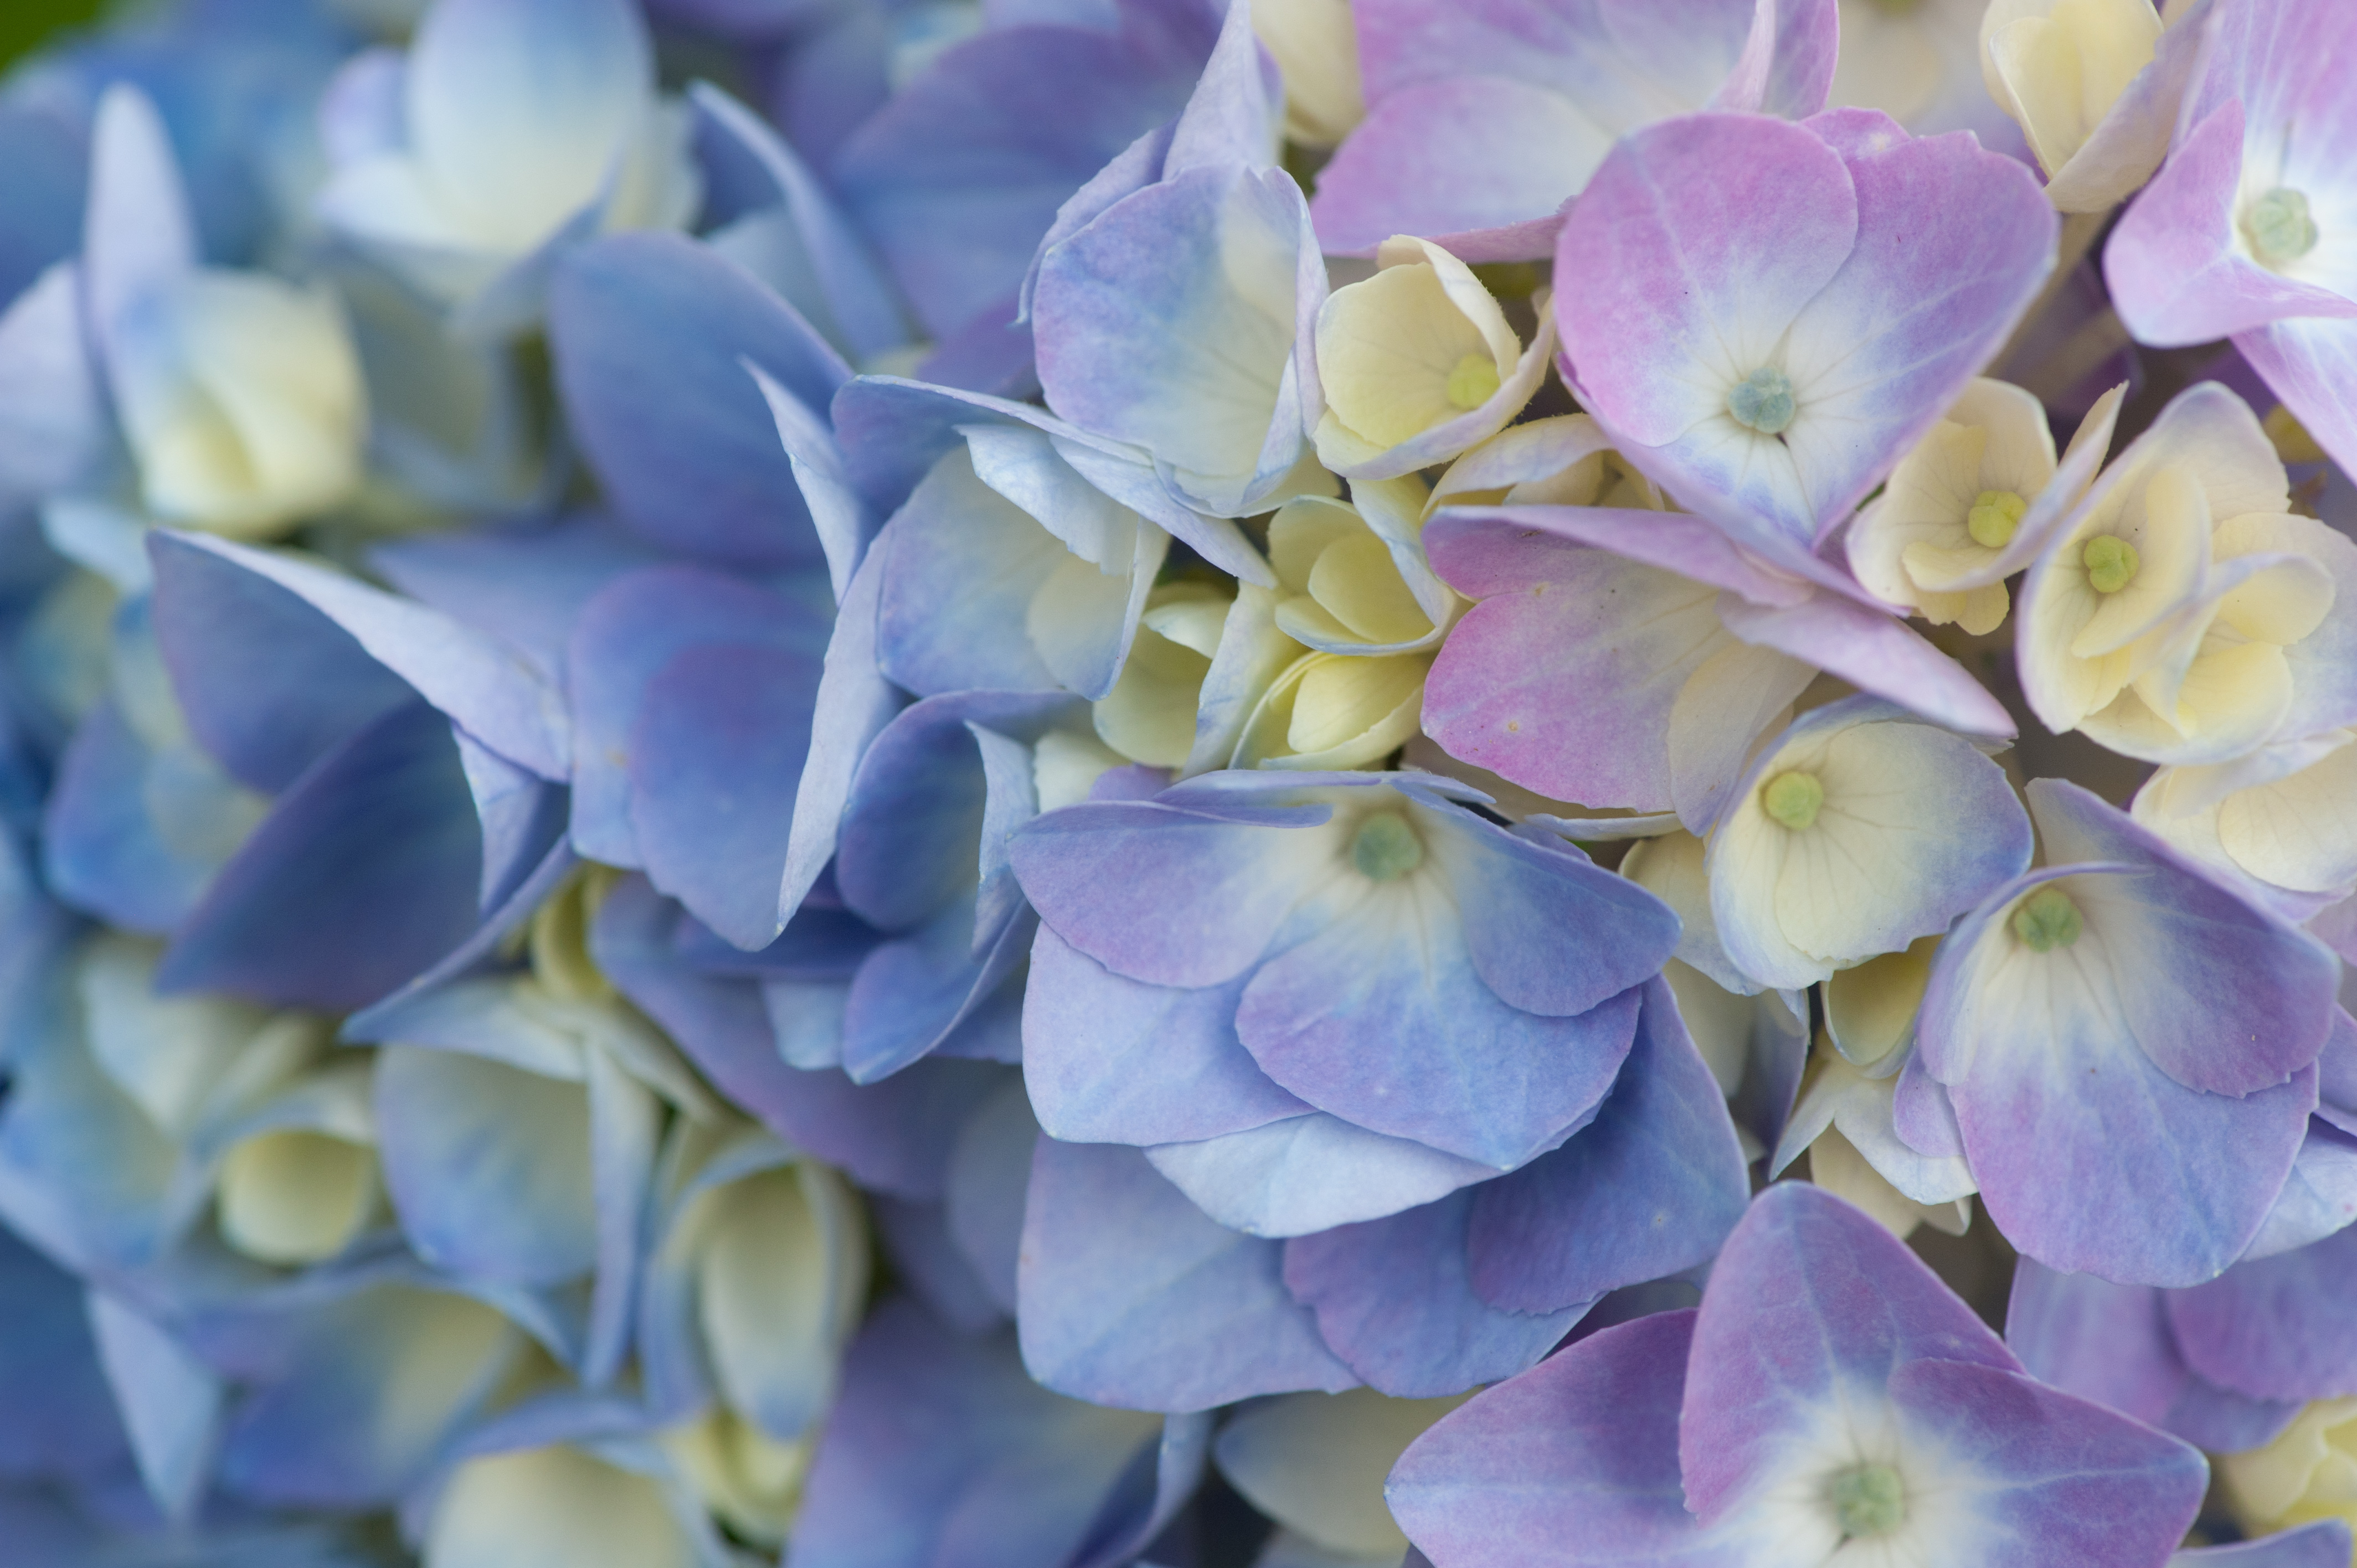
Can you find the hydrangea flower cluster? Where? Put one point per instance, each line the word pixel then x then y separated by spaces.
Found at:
pixel 1061 783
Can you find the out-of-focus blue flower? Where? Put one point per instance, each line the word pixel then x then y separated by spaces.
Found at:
pixel 510 131
pixel 959 175
pixel 226 401
pixel 398 828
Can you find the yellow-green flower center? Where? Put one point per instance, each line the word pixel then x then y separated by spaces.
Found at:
pixel 2047 920
pixel 1792 799
pixel 1472 382
pixel 2111 563
pixel 1386 848
pixel 1763 401
pixel 1868 1500
pixel 2280 227
pixel 1993 516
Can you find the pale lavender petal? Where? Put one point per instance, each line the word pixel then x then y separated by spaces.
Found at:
pixel 1573 1463
pixel 1453 1065
pixel 1650 1187
pixel 1876 653
pixel 715 757
pixel 651 335
pixel 1661 274
pixel 1522 901
pixel 1169 323
pixel 1444 158
pixel 1110 1059
pixel 1300 1174
pixel 942 1455
pixel 367 870
pixel 1563 677
pixel 2277 1328
pixel 1130 1296
pixel 2076 1479
pixel 479 680
pixel 855 702
pixel 2113 1344
pixel 2312 366
pixel 1953 243
pixel 2177 276
pixel 1160 895
pixel 2226 962
pixel 1393 1301
pixel 1808 1293
pixel 2318 1199
pixel 226 634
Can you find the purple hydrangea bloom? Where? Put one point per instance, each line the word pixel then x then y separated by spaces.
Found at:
pixel 2129 1049
pixel 1316 942
pixel 1830 1399
pixel 1766 316
pixel 1129 1294
pixel 1329 1014
pixel 2245 232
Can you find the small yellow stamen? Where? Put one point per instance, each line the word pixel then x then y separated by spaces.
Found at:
pixel 1473 381
pixel 2047 920
pixel 2111 563
pixel 1793 799
pixel 1993 518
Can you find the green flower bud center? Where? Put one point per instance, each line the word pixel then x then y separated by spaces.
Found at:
pixel 2047 920
pixel 1897 7
pixel 1792 799
pixel 2110 564
pixel 1472 382
pixel 1386 848
pixel 2278 226
pixel 1993 516
pixel 1868 1500
pixel 1762 400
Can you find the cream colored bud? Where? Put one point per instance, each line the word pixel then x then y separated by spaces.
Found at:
pixel 2310 1471
pixel 1422 344
pixel 1332 709
pixel 752 1481
pixel 296 1196
pixel 1149 715
pixel 242 399
pixel 2058 66
pixel 1316 43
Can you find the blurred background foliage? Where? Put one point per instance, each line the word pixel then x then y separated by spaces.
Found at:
pixel 24 24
